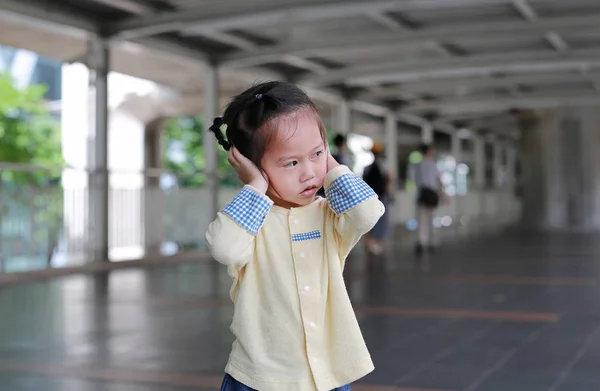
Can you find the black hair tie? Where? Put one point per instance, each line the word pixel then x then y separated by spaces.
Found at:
pixel 219 127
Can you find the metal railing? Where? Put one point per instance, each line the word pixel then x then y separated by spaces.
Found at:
pixel 47 214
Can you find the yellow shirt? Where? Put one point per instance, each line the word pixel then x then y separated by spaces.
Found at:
pixel 294 325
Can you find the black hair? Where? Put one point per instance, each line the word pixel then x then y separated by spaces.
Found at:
pixel 248 113
pixel 339 140
pixel 425 148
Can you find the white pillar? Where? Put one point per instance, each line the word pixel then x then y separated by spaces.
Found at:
pixel 154 198
pixel 456 147
pixel 211 110
pixel 456 151
pixel 479 149
pixel 344 117
pixel 511 163
pixel 98 181
pixel 427 133
pixel 498 166
pixel 391 147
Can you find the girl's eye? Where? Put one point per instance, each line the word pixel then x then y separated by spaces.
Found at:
pixel 291 164
pixel 318 154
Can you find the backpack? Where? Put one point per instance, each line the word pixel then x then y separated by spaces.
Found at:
pixel 375 178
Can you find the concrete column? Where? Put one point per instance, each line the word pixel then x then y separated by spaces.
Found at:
pixel 511 164
pixel 153 196
pixel 479 179
pixel 498 164
pixel 391 147
pixel 211 110
pixel 456 150
pixel 427 133
pixel 344 117
pixel 561 184
pixel 98 181
pixel 479 166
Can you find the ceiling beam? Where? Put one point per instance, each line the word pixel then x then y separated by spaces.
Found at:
pixel 525 9
pixel 49 15
pixel 173 47
pixel 248 45
pixel 250 14
pixel 41 12
pixel 498 104
pixel 476 66
pixel 528 13
pixel 140 8
pixel 557 41
pixel 133 6
pixel 387 21
pixel 396 26
pixel 324 45
pixel 464 85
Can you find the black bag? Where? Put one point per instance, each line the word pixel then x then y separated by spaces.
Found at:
pixel 376 179
pixel 428 197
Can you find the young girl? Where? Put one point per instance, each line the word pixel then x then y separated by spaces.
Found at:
pixel 285 247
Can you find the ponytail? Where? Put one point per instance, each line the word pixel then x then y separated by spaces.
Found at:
pixel 216 128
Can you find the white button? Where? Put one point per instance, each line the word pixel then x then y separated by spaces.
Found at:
pixel 296 221
pixel 301 255
pixel 306 288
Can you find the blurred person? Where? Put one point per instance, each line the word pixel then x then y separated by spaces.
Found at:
pixel 429 191
pixel 376 175
pixel 340 154
pixel 341 150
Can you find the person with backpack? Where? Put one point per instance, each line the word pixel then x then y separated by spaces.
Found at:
pixel 429 191
pixel 340 155
pixel 377 177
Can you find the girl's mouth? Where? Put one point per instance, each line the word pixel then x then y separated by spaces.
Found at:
pixel 309 191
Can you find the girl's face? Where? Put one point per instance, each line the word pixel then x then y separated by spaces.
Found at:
pixel 296 160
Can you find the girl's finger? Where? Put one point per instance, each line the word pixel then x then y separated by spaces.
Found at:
pixel 231 160
pixel 243 160
pixel 233 157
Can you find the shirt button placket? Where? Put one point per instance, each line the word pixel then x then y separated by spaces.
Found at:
pixel 307 297
pixel 308 304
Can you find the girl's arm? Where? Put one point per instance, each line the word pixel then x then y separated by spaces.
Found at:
pixel 230 237
pixel 355 206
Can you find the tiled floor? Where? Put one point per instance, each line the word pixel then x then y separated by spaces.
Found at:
pixel 514 313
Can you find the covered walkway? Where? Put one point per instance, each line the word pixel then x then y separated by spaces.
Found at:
pixel 506 90
pixel 513 312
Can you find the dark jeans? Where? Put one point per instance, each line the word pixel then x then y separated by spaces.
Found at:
pixel 230 384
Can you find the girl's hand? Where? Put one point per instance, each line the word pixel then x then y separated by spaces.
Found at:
pixel 331 162
pixel 247 171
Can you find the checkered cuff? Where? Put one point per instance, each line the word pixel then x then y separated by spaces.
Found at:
pixel 346 192
pixel 249 209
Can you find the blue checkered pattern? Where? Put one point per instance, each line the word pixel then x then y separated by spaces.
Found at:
pixel 249 209
pixel 346 192
pixel 306 236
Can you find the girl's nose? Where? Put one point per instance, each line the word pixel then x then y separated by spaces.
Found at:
pixel 308 174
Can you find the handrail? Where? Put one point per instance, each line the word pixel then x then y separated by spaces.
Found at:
pixel 148 172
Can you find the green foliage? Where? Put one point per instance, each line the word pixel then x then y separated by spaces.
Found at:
pixel 30 135
pixel 183 153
